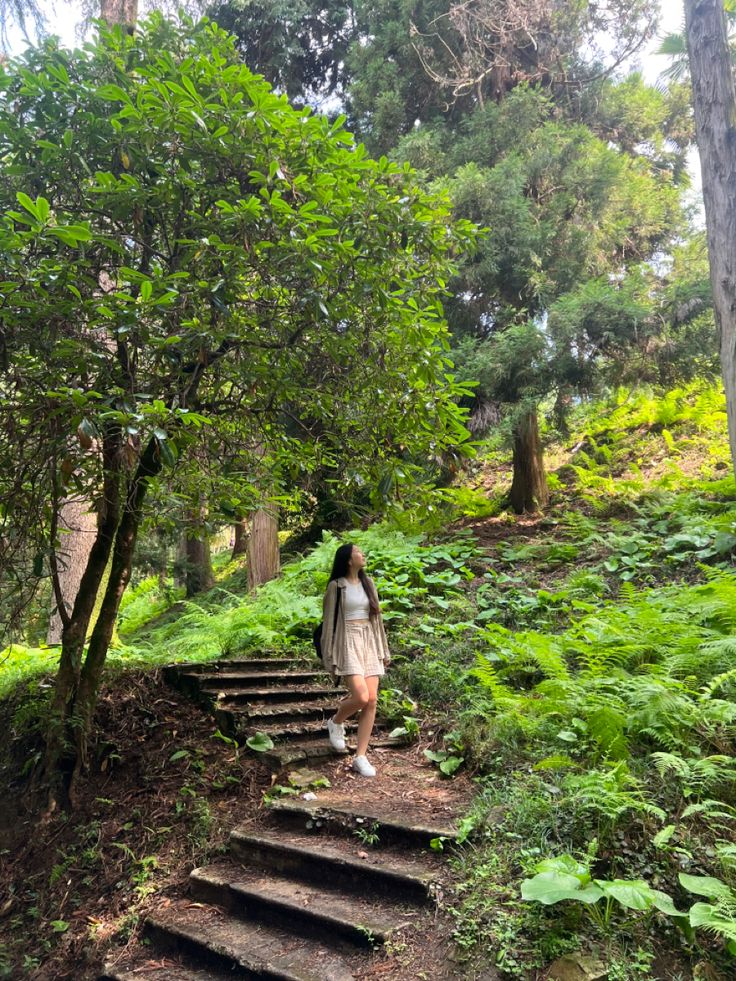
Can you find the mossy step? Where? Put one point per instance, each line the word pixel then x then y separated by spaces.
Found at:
pixel 290 711
pixel 390 825
pixel 243 664
pixel 297 750
pixel 351 866
pixel 300 906
pixel 265 696
pixel 248 950
pixel 243 724
pixel 266 679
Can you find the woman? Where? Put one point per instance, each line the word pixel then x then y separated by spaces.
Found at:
pixel 353 646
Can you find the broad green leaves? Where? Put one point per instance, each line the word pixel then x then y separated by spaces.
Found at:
pixel 564 878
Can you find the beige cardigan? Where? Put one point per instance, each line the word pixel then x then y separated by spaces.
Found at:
pixel 333 641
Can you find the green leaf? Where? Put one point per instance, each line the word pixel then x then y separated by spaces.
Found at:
pixel 633 894
pixel 60 926
pixel 260 742
pixel 113 93
pixel 28 204
pixel 664 903
pixel 565 865
pixel 554 887
pixel 146 290
pixel 662 837
pixel 705 885
pixel 180 754
pixel 451 764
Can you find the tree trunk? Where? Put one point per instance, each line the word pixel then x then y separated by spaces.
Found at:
pixel 123 12
pixel 714 102
pixel 240 545
pixel 199 575
pixel 529 487
pixel 263 546
pixel 76 624
pixel 99 643
pixel 78 527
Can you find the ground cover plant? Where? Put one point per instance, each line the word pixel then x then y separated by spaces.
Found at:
pixel 600 716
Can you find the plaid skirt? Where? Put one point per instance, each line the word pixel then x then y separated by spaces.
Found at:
pixel 361 654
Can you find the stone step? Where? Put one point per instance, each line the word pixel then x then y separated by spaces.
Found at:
pixel 223 680
pixel 299 906
pixel 245 949
pixel 290 711
pixel 173 971
pixel 263 696
pixel 300 751
pixel 315 860
pixel 278 731
pixel 390 825
pixel 318 748
pixel 246 664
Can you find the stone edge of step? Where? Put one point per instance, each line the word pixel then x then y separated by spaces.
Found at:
pixel 362 930
pixel 341 815
pixel 244 843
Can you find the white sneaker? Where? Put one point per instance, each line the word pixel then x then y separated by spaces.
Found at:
pixel 363 767
pixel 336 732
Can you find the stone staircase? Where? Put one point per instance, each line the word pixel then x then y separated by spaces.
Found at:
pixel 287 699
pixel 312 891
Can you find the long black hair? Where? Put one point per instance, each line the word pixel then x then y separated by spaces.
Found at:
pixel 341 567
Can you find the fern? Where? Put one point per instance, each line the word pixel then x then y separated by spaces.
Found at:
pixel 699 776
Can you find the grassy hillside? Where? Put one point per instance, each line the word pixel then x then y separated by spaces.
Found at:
pixel 580 664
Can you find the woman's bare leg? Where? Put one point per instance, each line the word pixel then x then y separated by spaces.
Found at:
pixel 357 699
pixel 367 715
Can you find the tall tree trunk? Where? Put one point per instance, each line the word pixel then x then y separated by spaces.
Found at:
pixel 78 527
pixel 263 546
pixel 199 576
pixel 119 12
pixel 240 544
pixel 529 490
pixel 714 102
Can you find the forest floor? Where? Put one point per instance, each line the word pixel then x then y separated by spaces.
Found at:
pixel 162 796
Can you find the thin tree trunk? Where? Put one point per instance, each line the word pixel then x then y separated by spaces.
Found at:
pixel 240 544
pixel 263 546
pixel 99 643
pixel 714 102
pixel 78 527
pixel 529 490
pixel 77 623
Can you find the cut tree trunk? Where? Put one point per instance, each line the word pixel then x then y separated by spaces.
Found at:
pixel 714 102
pixel 240 544
pixel 78 527
pixel 263 546
pixel 529 490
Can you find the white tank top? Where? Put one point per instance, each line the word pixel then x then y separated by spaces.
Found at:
pixel 356 603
